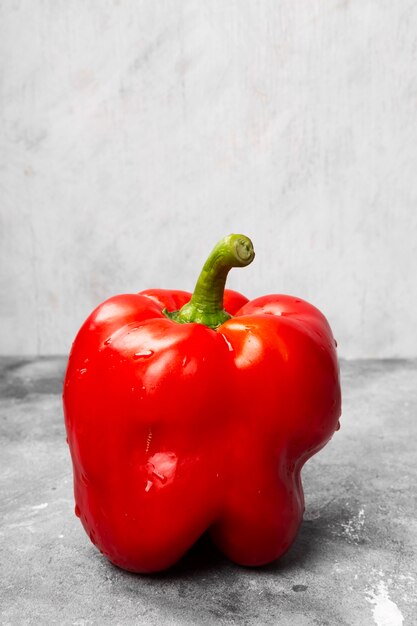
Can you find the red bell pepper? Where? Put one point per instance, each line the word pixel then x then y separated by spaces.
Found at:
pixel 193 413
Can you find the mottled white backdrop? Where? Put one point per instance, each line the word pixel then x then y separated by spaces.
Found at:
pixel 135 134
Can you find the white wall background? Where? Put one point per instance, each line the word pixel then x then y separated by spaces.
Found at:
pixel 135 134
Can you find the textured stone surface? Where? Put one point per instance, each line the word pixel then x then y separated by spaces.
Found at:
pixel 135 134
pixel 354 561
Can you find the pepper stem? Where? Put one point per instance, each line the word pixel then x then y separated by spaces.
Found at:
pixel 206 304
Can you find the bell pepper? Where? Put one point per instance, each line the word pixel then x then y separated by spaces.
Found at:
pixel 193 413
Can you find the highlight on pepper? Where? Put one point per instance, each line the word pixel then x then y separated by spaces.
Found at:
pixel 189 413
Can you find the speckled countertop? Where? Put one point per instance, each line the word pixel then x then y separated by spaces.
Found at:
pixel 354 562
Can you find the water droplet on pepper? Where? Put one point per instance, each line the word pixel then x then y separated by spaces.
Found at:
pixel 143 355
pixel 161 477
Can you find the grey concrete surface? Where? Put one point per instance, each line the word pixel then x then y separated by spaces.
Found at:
pixel 354 561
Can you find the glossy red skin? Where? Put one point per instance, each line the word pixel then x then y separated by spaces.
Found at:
pixel 175 429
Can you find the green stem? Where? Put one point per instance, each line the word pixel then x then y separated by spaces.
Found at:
pixel 206 304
